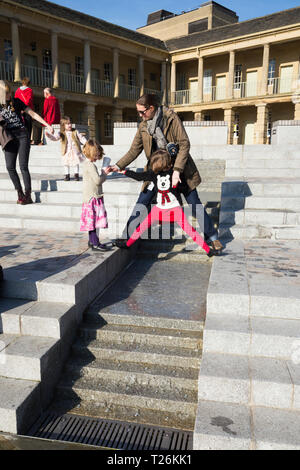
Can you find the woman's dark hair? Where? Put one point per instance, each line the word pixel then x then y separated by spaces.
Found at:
pixel 148 100
pixel 160 161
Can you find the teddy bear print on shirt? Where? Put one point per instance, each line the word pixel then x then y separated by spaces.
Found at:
pixel 165 198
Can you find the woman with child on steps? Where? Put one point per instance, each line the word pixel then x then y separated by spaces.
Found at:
pixel 161 126
pixel 168 202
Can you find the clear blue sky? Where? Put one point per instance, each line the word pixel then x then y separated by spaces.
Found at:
pixel 133 13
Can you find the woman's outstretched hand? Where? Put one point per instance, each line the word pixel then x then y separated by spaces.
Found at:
pixel 113 168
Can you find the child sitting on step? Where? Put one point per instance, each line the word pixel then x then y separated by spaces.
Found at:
pixel 71 141
pixel 93 213
pixel 167 207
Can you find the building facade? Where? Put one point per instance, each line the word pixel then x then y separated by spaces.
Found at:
pixel 96 69
pixel 204 63
pixel 245 73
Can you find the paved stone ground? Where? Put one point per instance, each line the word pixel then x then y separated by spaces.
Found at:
pixel 48 252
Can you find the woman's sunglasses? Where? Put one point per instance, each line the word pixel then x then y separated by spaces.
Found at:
pixel 142 113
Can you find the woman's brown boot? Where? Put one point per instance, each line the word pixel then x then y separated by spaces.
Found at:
pixel 21 197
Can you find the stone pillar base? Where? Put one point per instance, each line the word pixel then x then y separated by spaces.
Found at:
pixel 89 118
pixel 297 112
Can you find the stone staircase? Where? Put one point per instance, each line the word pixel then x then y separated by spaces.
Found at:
pixel 133 363
pixel 260 197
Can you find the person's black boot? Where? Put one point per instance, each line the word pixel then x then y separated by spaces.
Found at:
pixel 76 177
pixel 67 178
pixel 121 243
pixel 101 248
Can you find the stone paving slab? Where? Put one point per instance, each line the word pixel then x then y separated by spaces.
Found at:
pixel 142 281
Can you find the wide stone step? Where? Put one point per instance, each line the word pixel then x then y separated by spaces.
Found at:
pixel 20 404
pixel 262 172
pixel 262 163
pixel 27 357
pixel 247 232
pixel 45 319
pixel 261 187
pixel 140 335
pixel 145 354
pixel 237 202
pixel 139 374
pixel 132 395
pixel 104 410
pixel 262 217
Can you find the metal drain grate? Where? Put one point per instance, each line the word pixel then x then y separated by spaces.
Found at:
pixel 110 434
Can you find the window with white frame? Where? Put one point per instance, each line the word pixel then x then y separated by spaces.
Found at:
pixel 8 51
pixel 108 72
pixel 107 125
pixel 132 77
pixel 207 81
pixel 237 77
pixel 271 72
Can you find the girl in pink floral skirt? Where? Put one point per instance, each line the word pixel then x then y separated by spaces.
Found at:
pixel 93 213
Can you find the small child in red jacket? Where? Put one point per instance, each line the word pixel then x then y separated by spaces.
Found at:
pixel 167 207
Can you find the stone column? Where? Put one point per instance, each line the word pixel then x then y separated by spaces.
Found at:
pixel 229 119
pixel 87 67
pixel 198 116
pixel 265 70
pixel 141 75
pixel 261 123
pixel 54 56
pixel 173 81
pixel 164 82
pixel 297 112
pixel 90 115
pixel 16 50
pixel 200 79
pixel 116 73
pixel 117 114
pixel 231 75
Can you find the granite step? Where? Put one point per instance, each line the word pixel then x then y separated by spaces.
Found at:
pixel 139 374
pixel 264 217
pixel 139 335
pixel 146 354
pixel 125 412
pixel 237 202
pixel 137 396
pixel 247 232
pixel 261 187
pixel 20 404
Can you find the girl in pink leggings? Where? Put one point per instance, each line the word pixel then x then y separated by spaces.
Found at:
pixel 167 207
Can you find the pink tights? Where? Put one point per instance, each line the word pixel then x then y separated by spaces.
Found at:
pixel 168 215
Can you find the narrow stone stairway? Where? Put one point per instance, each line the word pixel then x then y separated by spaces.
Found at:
pixel 137 355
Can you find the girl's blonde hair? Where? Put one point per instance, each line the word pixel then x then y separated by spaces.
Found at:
pixel 63 123
pixel 91 148
pixel 160 161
